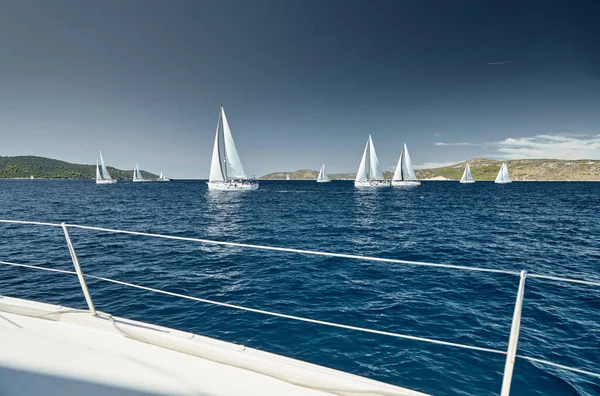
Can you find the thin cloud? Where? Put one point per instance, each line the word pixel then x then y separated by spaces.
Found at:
pixel 456 144
pixel 500 63
pixel 550 146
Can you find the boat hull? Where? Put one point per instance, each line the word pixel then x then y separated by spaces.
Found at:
pixel 106 181
pixel 163 180
pixel 232 186
pixel 372 183
pixel 140 181
pixel 323 181
pixel 405 183
pixel 503 181
pixel 467 181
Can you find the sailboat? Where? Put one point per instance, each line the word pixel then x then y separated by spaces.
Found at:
pixel 503 177
pixel 137 175
pixel 322 178
pixel 287 177
pixel 404 176
pixel 226 171
pixel 369 174
pixel 102 175
pixel 467 177
pixel 162 177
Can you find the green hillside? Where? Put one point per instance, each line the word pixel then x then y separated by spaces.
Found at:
pixel 482 169
pixel 46 168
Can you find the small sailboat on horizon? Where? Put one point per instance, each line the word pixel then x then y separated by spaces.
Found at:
pixel 369 174
pixel 287 177
pixel 162 177
pixel 503 177
pixel 102 175
pixel 405 176
pixel 137 175
pixel 467 177
pixel 322 178
pixel 226 171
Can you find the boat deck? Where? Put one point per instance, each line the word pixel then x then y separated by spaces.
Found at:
pixel 52 350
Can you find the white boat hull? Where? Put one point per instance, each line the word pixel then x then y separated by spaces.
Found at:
pixel 163 180
pixel 467 181
pixel 372 183
pixel 323 181
pixel 106 181
pixel 503 181
pixel 405 183
pixel 232 186
pixel 140 181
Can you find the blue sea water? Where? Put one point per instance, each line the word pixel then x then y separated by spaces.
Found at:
pixel 549 228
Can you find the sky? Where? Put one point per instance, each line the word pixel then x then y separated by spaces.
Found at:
pixel 303 82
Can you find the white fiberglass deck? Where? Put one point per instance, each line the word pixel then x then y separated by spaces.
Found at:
pixel 73 353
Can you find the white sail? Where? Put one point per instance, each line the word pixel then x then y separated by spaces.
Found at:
pixel 137 175
pixel 409 171
pixel 105 174
pixel 216 166
pixel 161 176
pixel 398 174
pixel 232 159
pixel 505 175
pixel 287 177
pixel 361 175
pixel 375 172
pixel 98 175
pixel 322 174
pixel 467 176
pixel 499 176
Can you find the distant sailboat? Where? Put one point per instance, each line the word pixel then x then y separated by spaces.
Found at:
pixel 503 177
pixel 404 176
pixel 322 178
pixel 467 177
pixel 102 175
pixel 31 177
pixel 287 177
pixel 226 171
pixel 137 175
pixel 162 177
pixel 369 174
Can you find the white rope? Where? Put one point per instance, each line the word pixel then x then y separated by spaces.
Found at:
pixel 30 222
pixel 300 251
pixel 559 366
pixel 302 319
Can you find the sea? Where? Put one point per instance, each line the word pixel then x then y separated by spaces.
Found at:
pixel 548 228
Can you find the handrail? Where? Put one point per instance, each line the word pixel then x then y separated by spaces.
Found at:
pixel 515 327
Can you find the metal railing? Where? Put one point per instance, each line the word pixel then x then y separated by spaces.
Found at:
pixel 511 352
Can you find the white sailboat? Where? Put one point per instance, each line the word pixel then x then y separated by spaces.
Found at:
pixel 503 177
pixel 102 175
pixel 467 177
pixel 404 176
pixel 322 178
pixel 137 175
pixel 369 174
pixel 287 177
pixel 226 171
pixel 162 177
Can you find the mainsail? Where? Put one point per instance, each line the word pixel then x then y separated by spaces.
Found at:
pixel 98 176
pixel 467 176
pixel 232 159
pixel 322 174
pixel 105 174
pixel 225 164
pixel 374 173
pixel 399 174
pixel 503 174
pixel 137 175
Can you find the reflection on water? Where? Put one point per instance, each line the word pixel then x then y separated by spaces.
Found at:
pixel 223 212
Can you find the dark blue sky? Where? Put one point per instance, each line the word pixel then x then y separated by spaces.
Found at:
pixel 303 82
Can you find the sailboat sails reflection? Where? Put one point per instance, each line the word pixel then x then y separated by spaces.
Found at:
pixel 405 176
pixel 503 177
pixel 467 177
pixel 137 175
pixel 226 170
pixel 322 178
pixel 102 175
pixel 369 174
